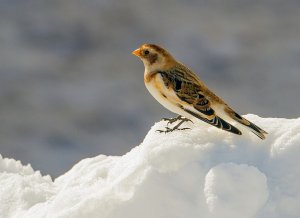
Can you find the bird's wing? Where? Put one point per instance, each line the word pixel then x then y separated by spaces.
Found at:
pixel 188 90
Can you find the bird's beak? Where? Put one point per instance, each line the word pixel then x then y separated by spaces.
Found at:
pixel 137 52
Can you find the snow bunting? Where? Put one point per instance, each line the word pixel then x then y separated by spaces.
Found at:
pixel 178 89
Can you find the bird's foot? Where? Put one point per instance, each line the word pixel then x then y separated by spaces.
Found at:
pixel 173 120
pixel 167 130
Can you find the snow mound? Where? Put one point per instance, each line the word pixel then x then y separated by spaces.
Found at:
pixel 203 172
pixel 21 188
pixel 229 186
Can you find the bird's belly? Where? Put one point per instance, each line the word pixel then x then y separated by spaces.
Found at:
pixel 165 96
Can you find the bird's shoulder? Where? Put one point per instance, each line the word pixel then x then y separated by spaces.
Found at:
pixel 181 77
pixel 188 85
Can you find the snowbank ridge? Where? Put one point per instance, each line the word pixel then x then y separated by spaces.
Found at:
pixel 202 172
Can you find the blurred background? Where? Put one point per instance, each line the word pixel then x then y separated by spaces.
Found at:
pixel 70 88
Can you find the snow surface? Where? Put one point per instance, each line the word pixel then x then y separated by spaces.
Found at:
pixel 202 172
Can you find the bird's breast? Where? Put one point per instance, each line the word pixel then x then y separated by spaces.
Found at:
pixel 164 95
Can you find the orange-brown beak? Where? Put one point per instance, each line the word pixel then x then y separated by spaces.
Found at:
pixel 137 52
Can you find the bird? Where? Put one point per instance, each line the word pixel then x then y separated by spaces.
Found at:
pixel 182 92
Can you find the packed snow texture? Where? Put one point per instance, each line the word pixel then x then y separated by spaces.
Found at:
pixel 199 173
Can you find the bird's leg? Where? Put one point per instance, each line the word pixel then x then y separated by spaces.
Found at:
pixel 179 124
pixel 172 120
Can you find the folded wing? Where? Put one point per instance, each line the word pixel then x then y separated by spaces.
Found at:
pixel 188 91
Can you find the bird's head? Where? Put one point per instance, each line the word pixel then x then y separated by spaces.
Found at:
pixel 154 57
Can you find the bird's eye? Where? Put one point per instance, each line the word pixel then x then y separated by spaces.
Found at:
pixel 146 52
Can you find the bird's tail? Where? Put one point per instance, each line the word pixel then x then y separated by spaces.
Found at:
pixel 217 122
pixel 251 126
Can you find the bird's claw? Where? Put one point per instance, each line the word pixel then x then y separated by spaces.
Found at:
pixel 164 131
pixel 173 120
pixel 184 128
pixel 170 130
